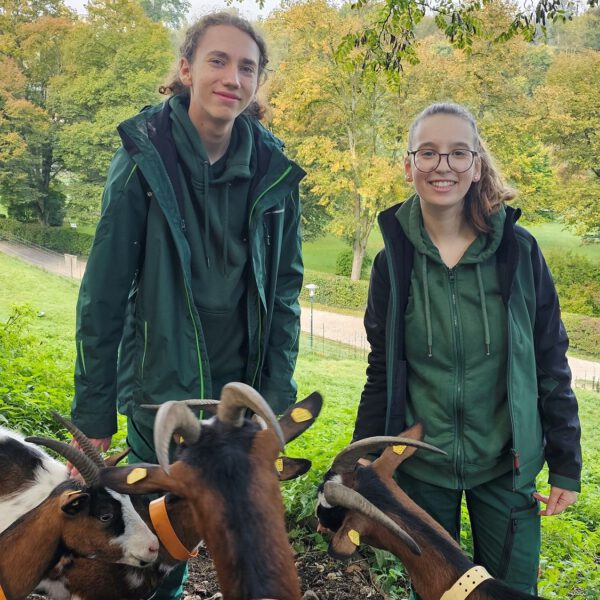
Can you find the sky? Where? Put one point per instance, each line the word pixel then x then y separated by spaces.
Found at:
pixel 248 8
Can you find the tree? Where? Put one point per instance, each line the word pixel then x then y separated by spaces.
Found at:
pixel 114 62
pixel 169 12
pixel 571 105
pixel 336 118
pixel 31 35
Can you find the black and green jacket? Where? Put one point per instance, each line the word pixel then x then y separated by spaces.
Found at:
pixel 542 407
pixel 139 335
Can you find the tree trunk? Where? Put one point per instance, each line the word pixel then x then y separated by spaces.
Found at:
pixel 358 251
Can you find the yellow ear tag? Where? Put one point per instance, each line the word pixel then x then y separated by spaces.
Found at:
pixel 136 475
pixel 354 537
pixel 399 449
pixel 279 465
pixel 299 415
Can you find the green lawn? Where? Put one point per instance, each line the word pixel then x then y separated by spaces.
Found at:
pixel 321 254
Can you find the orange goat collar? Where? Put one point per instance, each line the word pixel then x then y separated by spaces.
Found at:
pixel 2 596
pixel 164 531
pixel 466 584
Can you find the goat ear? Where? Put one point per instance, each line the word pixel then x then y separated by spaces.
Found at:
pixel 142 478
pixel 72 503
pixel 346 540
pixel 300 416
pixel 114 459
pixel 393 456
pixel 290 468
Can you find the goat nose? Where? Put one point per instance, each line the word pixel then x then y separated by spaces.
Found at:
pixel 154 548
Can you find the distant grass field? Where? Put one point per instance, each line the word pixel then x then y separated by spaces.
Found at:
pixel 321 254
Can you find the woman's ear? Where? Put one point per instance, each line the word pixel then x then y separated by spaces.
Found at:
pixel 477 169
pixel 408 168
pixel 185 72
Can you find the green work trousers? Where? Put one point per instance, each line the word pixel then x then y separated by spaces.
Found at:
pixel 142 450
pixel 504 522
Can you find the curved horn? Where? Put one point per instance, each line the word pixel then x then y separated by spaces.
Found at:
pixel 173 417
pixel 84 443
pixel 86 467
pixel 236 398
pixel 340 495
pixel 345 461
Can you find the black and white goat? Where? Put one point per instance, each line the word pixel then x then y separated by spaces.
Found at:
pixel 355 496
pixel 47 518
pixel 120 582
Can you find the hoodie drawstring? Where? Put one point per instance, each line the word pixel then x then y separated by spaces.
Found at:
pixel 427 309
pixel 484 315
pixel 206 192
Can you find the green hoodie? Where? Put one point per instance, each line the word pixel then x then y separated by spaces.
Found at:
pixel 456 348
pixel 215 210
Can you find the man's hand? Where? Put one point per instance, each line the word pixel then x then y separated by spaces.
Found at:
pixel 103 444
pixel 557 502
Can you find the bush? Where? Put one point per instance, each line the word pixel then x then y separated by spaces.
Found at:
pixel 577 281
pixel 343 264
pixel 66 241
pixel 584 333
pixel 336 291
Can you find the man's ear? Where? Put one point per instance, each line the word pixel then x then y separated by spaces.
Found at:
pixel 185 72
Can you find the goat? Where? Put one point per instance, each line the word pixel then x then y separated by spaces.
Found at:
pixel 73 519
pixel 442 565
pixel 126 583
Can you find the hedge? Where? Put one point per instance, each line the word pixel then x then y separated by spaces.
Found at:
pixel 65 241
pixel 584 333
pixel 336 291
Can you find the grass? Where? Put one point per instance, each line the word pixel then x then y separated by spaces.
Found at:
pixel 571 542
pixel 321 254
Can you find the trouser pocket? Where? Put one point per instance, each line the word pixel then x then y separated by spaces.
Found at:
pixel 520 554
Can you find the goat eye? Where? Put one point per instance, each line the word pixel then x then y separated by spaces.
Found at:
pixel 105 518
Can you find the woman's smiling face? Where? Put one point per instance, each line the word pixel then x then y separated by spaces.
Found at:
pixel 443 187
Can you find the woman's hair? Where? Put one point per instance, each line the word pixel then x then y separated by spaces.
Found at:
pixel 486 196
pixel 190 43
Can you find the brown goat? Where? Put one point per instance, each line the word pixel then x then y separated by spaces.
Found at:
pixel 80 576
pixel 441 563
pixel 226 474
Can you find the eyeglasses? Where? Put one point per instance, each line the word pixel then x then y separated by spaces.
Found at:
pixel 427 160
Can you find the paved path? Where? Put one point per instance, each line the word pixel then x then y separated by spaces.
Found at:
pixel 332 326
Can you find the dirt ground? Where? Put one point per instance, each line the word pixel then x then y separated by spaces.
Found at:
pixel 321 578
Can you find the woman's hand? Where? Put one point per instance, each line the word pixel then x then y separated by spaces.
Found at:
pixel 557 502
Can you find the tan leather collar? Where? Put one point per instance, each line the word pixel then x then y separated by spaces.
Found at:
pixel 164 531
pixel 466 584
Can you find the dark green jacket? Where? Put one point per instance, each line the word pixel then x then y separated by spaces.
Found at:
pixel 139 336
pixel 543 409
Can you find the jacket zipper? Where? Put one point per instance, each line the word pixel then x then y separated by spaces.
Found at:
pixel 259 357
pixel 458 391
pixel 82 356
pixel 199 354
pixel 145 346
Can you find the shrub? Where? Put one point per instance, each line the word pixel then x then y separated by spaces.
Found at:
pixel 577 281
pixel 336 291
pixel 584 333
pixel 343 264
pixel 67 241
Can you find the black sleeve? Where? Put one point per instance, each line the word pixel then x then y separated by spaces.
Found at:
pixel 557 402
pixel 372 409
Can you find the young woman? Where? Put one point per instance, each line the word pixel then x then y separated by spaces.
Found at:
pixel 466 337
pixel 195 272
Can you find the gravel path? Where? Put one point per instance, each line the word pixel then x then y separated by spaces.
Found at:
pixel 332 326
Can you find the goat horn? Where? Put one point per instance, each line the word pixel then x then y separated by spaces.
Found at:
pixel 345 461
pixel 236 398
pixel 340 495
pixel 192 403
pixel 84 443
pixel 86 467
pixel 173 417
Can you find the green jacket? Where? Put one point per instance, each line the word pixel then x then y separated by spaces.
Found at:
pixel 139 336
pixel 542 406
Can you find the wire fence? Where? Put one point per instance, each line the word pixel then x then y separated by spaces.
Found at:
pixel 320 345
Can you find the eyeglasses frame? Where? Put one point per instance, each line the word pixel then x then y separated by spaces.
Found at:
pixel 474 155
